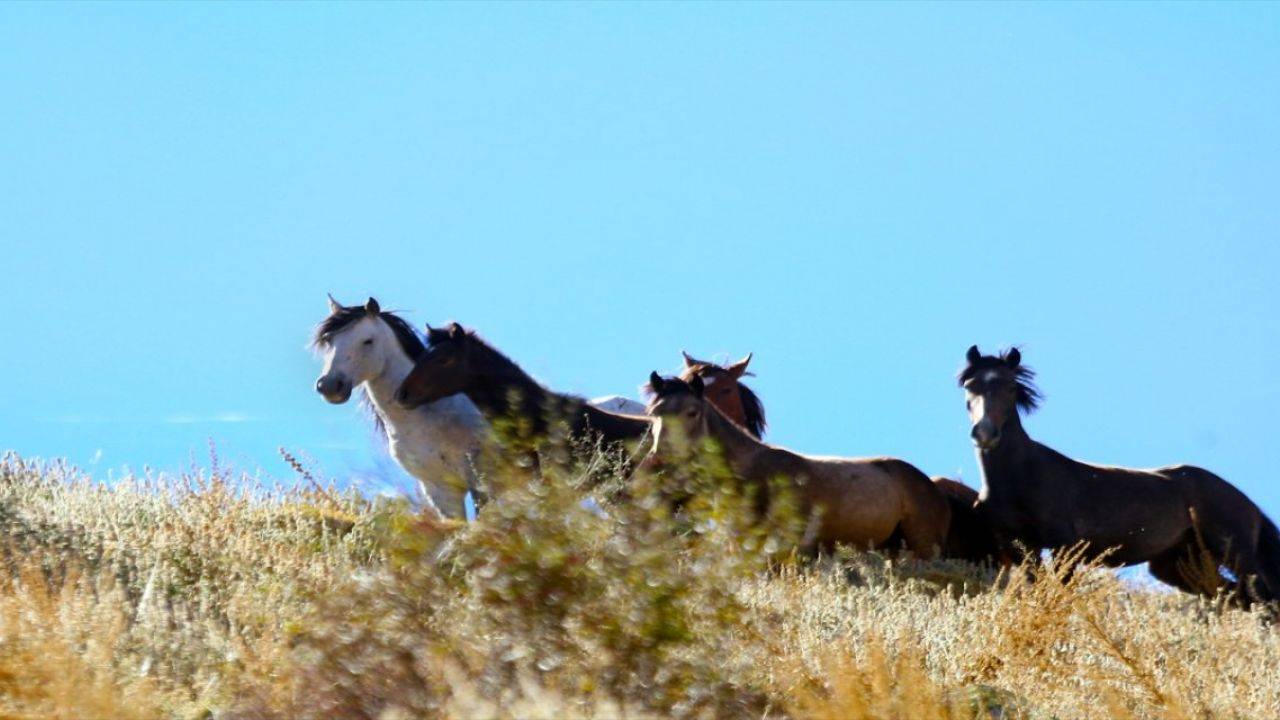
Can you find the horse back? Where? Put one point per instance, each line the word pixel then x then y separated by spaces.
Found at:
pixel 884 477
pixel 613 427
pixel 909 478
pixel 1209 493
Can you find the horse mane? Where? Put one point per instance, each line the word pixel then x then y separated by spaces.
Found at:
pixel 343 317
pixel 1029 396
pixel 493 360
pixel 720 422
pixel 753 409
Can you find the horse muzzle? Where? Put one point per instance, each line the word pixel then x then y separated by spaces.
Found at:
pixel 336 390
pixel 986 436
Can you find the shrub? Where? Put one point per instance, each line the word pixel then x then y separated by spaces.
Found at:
pixel 209 595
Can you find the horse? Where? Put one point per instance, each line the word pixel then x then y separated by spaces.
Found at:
pixel 458 361
pixel 725 390
pixel 969 537
pixel 373 349
pixel 864 502
pixel 1187 523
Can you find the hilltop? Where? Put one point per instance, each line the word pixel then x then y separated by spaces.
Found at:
pixel 210 596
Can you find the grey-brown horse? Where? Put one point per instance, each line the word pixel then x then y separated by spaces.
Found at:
pixel 969 537
pixel 864 502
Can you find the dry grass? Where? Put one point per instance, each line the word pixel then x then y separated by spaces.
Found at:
pixel 210 596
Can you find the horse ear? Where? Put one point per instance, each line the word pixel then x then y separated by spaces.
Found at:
pixel 656 383
pixel 371 307
pixel 456 331
pixel 334 305
pixel 1013 358
pixel 688 361
pixel 738 369
pixel 697 386
pixel 973 356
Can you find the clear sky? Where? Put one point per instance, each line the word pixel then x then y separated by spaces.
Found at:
pixel 855 193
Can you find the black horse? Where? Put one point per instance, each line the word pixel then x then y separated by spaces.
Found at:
pixel 457 361
pixel 1188 523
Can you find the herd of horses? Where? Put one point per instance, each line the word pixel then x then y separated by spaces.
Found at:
pixel 436 400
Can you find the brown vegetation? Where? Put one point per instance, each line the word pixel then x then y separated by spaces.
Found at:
pixel 209 595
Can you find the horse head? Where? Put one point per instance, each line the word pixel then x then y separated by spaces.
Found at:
pixel 996 389
pixel 724 389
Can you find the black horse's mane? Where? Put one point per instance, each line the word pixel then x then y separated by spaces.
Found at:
pixel 493 362
pixel 1029 396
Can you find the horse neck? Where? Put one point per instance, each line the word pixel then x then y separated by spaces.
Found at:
pixel 381 391
pixel 498 380
pixel 740 446
pixel 1002 465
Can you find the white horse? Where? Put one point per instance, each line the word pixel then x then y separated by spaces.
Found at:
pixel 436 443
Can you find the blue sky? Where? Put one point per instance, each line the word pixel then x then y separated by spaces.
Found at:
pixel 855 193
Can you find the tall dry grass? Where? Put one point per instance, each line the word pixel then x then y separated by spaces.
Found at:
pixel 211 596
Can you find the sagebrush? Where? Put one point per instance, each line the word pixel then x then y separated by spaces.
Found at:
pixel 217 596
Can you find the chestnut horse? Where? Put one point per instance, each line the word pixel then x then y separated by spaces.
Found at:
pixel 457 361
pixel 725 390
pixel 1170 517
pixel 871 502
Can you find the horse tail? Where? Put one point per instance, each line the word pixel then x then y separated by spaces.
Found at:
pixel 1269 557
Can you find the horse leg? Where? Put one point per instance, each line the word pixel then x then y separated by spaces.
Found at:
pixel 1256 579
pixel 445 498
pixel 474 477
pixel 1268 557
pixel 1167 568
pixel 1256 562
pixel 1216 546
pixel 1195 566
pixel 924 537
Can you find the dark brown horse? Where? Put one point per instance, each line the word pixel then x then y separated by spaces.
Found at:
pixel 871 502
pixel 970 537
pixel 1170 517
pixel 725 390
pixel 457 361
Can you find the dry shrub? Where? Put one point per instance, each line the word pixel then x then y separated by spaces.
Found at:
pixel 57 647
pixel 875 684
pixel 630 602
pixel 209 594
